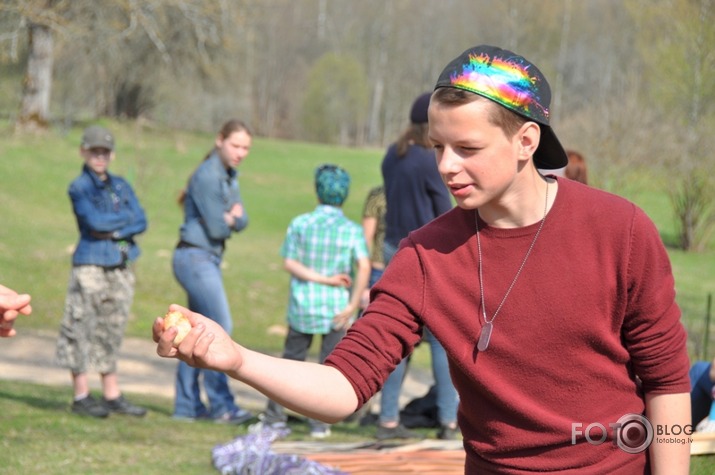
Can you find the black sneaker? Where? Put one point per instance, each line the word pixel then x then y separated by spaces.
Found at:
pixel 89 406
pixel 397 432
pixel 122 406
pixel 236 416
pixel 449 433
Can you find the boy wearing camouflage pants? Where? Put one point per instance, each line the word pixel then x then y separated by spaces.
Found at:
pixel 101 287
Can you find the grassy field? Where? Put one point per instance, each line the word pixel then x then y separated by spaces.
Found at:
pixel 38 233
pixel 40 436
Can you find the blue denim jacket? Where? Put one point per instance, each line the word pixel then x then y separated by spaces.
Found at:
pixel 108 216
pixel 212 191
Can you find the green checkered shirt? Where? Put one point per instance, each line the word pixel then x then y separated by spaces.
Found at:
pixel 329 243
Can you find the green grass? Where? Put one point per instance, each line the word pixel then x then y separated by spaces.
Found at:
pixel 41 436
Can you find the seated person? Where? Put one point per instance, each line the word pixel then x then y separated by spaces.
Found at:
pixel 702 393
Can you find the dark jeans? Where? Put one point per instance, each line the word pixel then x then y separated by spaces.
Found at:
pixel 701 399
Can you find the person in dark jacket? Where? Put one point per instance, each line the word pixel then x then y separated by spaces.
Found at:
pixel 415 195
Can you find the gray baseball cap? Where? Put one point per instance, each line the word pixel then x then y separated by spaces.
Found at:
pixel 97 137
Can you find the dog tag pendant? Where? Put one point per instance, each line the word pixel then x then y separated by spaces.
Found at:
pixel 484 336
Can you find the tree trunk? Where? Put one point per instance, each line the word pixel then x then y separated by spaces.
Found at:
pixel 37 84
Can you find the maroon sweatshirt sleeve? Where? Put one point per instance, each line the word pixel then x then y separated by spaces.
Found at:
pixel 388 330
pixel 652 331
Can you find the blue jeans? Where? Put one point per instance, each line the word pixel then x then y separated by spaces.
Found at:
pixel 701 400
pixel 390 394
pixel 375 275
pixel 447 399
pixel 199 273
pixel 388 252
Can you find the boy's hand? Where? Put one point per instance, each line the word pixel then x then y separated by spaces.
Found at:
pixel 12 304
pixel 343 319
pixel 339 280
pixel 207 345
pixel 365 298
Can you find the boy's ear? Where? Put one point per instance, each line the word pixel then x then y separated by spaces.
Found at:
pixel 529 136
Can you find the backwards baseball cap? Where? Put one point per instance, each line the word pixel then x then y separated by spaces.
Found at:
pixel 512 82
pixel 332 184
pixel 97 137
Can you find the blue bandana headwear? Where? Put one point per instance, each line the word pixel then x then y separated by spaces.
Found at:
pixel 332 184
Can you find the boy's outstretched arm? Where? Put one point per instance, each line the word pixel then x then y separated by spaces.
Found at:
pixel 314 390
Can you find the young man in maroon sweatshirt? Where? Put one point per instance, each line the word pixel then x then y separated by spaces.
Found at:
pixel 554 301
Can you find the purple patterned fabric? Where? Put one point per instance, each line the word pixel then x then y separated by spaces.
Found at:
pixel 251 455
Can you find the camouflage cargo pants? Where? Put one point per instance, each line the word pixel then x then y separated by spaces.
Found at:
pixel 95 317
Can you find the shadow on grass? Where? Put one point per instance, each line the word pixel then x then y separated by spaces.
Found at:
pixel 50 398
pixel 51 404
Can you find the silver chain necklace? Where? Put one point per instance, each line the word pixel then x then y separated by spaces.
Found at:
pixel 486 332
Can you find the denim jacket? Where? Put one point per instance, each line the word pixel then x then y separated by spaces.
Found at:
pixel 212 191
pixel 108 216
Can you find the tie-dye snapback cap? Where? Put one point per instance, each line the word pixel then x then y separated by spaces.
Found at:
pixel 513 82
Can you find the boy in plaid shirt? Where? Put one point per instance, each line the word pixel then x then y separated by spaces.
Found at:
pixel 319 252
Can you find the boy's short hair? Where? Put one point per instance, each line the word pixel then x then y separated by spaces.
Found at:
pixel 332 184
pixel 512 82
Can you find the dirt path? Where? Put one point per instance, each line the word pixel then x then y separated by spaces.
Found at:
pixel 29 357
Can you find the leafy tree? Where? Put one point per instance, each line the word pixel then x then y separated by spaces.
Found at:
pixel 336 100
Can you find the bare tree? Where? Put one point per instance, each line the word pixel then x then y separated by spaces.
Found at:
pixel 38 18
pixel 123 42
pixel 35 108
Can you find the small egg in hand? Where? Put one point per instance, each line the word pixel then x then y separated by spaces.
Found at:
pixel 180 321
